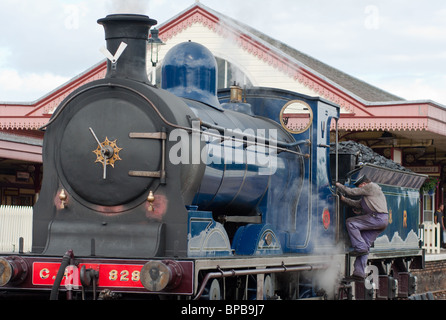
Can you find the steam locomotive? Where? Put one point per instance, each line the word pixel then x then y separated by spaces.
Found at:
pixel 183 191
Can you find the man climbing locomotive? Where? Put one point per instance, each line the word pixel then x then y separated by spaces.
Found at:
pixel 364 228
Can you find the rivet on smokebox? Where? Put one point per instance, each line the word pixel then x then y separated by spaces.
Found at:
pixel 150 199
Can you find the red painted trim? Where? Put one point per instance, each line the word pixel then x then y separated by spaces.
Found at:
pixel 58 95
pixel 185 16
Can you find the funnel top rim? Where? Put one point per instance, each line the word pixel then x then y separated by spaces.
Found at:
pixel 128 17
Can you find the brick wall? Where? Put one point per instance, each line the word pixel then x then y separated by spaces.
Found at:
pixel 432 278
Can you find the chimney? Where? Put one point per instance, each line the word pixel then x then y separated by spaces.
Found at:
pixel 133 30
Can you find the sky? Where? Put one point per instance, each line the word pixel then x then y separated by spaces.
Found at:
pixel 396 45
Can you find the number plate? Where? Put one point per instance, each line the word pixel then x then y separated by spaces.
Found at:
pixel 110 275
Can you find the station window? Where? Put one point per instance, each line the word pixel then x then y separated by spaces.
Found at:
pixel 428 207
pixel 228 73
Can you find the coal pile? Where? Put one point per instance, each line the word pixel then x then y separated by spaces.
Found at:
pixel 366 155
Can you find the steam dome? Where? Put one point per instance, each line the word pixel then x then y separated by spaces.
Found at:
pixel 190 71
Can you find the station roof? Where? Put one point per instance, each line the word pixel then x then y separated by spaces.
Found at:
pixel 365 107
pixel 359 88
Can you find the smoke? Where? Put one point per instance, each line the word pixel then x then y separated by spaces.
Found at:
pixel 238 77
pixel 128 6
pixel 329 279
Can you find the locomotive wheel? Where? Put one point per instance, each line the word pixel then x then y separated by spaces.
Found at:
pixel 268 287
pixel 212 291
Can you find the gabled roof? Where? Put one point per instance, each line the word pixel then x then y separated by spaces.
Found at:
pixel 368 107
pixel 349 83
pixel 290 60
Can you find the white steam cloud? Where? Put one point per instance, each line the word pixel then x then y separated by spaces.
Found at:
pixel 128 6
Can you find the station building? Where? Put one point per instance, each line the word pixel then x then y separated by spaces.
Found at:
pixel 412 133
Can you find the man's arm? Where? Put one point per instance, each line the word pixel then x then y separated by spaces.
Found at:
pixel 351 202
pixel 363 191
